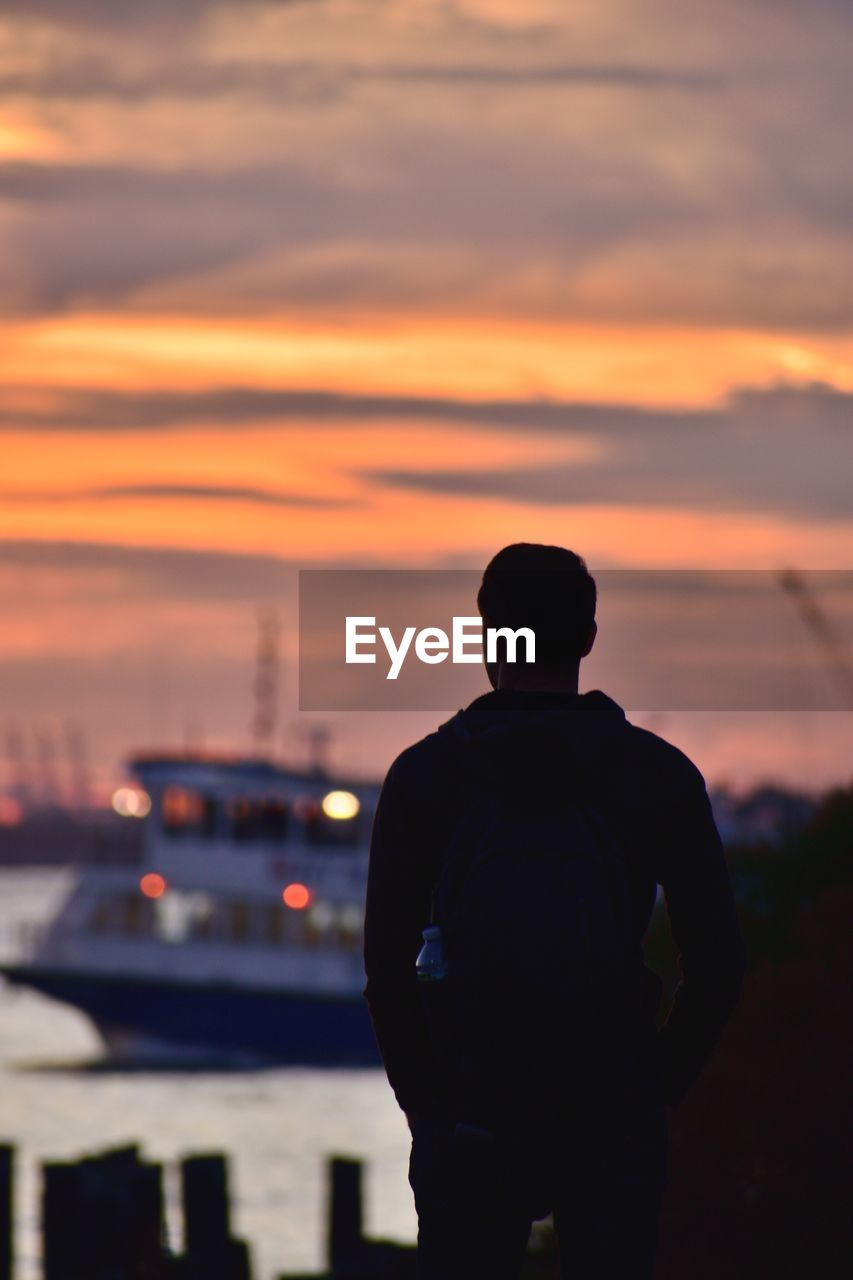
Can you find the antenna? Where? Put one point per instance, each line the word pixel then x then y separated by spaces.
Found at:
pixel 265 689
pixel 318 737
pixel 45 753
pixel 193 737
pixel 19 774
pixel 77 754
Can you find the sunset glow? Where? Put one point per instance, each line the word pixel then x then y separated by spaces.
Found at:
pixel 442 278
pixel 471 358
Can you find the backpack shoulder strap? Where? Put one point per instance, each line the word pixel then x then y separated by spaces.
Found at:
pixel 473 784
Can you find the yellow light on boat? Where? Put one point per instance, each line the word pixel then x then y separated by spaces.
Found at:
pixel 296 895
pixel 340 805
pixel 131 802
pixel 152 885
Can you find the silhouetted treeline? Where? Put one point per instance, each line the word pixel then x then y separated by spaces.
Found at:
pixel 761 1173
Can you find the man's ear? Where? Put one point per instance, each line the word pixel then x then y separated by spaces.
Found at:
pixel 590 640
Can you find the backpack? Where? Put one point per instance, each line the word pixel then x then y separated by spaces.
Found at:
pixel 532 900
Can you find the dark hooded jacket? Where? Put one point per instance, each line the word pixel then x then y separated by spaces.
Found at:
pixel 655 800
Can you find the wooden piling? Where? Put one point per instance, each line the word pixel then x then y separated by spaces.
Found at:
pixel 210 1252
pixel 60 1222
pixel 345 1212
pixel 7 1171
pixel 102 1218
pixel 204 1198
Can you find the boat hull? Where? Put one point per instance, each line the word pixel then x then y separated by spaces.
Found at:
pixel 220 1019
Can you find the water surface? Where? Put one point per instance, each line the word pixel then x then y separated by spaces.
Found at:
pixel 278 1125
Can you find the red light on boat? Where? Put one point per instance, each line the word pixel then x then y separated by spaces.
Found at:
pixel 296 896
pixel 153 885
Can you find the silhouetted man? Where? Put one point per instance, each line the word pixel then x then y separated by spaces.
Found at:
pixel 531 832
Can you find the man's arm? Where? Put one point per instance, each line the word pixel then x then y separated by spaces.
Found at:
pixel 398 897
pixel 705 928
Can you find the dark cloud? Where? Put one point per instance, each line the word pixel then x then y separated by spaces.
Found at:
pixel 427 199
pixel 788 451
pixel 172 573
pixel 120 15
pixel 728 204
pixel 97 233
pixel 166 492
pixel 102 410
pixel 165 572
pixel 815 404
pixel 465 225
pixel 94 78
pixel 104 12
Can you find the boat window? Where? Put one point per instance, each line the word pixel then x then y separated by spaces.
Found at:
pixel 319 919
pixel 208 821
pixel 257 819
pixel 99 918
pixel 133 914
pixel 239 921
pixel 186 812
pixel 124 913
pixel 242 815
pixel 316 922
pixel 202 919
pixel 276 924
pixel 274 819
pixel 350 925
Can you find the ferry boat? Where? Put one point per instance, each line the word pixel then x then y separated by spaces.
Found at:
pixel 240 932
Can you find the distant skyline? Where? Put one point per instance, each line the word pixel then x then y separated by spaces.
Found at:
pixel 396 282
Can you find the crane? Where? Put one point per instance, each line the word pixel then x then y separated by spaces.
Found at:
pixel 824 630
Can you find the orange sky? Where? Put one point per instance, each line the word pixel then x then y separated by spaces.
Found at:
pixel 339 283
pixel 466 361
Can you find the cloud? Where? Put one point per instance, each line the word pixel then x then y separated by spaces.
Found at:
pixel 786 450
pixel 166 572
pixel 607 164
pixel 98 232
pixel 169 573
pixel 460 223
pixel 87 78
pixel 166 492
pixel 118 15
pixel 71 409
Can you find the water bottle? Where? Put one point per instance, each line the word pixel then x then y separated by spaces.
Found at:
pixel 431 964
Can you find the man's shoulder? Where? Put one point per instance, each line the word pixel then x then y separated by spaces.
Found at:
pixel 416 764
pixel 656 757
pixel 650 759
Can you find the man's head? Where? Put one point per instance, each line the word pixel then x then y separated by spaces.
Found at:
pixel 550 590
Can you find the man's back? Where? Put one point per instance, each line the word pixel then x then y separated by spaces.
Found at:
pixel 652 797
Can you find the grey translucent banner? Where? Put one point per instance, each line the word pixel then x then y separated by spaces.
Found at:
pixel 669 640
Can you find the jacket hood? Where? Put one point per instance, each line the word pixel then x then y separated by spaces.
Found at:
pixel 542 738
